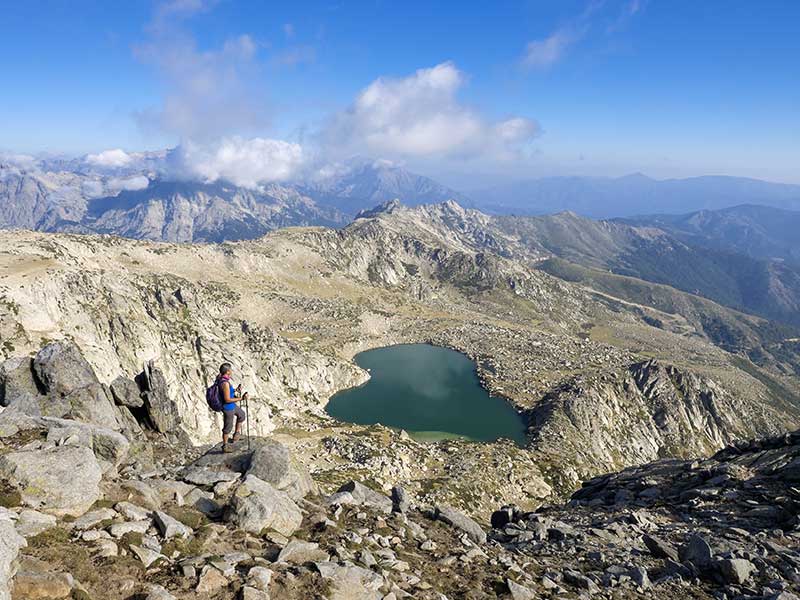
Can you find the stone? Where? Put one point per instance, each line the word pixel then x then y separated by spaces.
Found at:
pixel 580 580
pixel 60 481
pixel 146 555
pixel 400 501
pixel 126 392
pixel 141 493
pixel 299 552
pixel 117 530
pixel 94 517
pixel 132 512
pixel 697 551
pixel 251 593
pixel 660 548
pixel 11 543
pixel 106 548
pixel 170 527
pixel 234 558
pixel 734 570
pixel 211 581
pixel 204 502
pixel 169 490
pixel 259 578
pixel 351 582
pixel 640 577
pixel 94 534
pixel 61 368
pixel 32 522
pixel 357 493
pixel 461 521
pixel 366 558
pixel 157 592
pixel 519 592
pixel 42 585
pixel 200 476
pixel 223 566
pixel 256 506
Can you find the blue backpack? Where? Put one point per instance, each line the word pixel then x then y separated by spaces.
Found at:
pixel 213 397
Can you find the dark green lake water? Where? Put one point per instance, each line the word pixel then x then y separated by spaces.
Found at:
pixel 429 391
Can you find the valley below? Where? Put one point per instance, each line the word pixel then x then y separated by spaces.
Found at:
pixel 605 376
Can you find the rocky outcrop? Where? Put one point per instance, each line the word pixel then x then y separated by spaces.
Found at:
pixel 648 411
pixel 162 412
pixel 728 524
pixel 58 382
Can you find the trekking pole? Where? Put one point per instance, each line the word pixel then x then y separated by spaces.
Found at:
pixel 247 418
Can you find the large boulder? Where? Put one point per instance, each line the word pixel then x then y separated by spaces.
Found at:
pixel 461 521
pixel 162 412
pixel 267 459
pixel 357 493
pixel 10 544
pixel 60 481
pixel 61 368
pixel 126 392
pixel 257 506
pixel 350 582
pixel 271 462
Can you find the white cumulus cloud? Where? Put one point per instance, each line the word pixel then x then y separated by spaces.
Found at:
pixel 419 116
pixel 137 182
pixel 110 158
pixel 243 162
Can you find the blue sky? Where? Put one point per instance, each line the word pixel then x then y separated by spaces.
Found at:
pixel 524 89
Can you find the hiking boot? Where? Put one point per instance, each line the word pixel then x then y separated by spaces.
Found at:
pixel 226 448
pixel 236 437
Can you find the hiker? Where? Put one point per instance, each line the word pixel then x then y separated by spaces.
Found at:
pixel 231 410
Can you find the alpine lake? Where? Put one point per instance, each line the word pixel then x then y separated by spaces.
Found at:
pixel 431 392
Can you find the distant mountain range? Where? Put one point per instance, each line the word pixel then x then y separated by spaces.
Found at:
pixel 138 197
pixel 605 197
pixel 758 231
pixel 138 201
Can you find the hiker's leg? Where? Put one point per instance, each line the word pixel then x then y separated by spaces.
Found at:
pixel 228 417
pixel 240 418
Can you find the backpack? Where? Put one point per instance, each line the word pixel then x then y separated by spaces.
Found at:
pixel 213 397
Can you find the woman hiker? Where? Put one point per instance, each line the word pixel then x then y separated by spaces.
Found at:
pixel 231 411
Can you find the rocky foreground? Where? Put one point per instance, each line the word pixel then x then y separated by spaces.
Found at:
pixel 97 503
